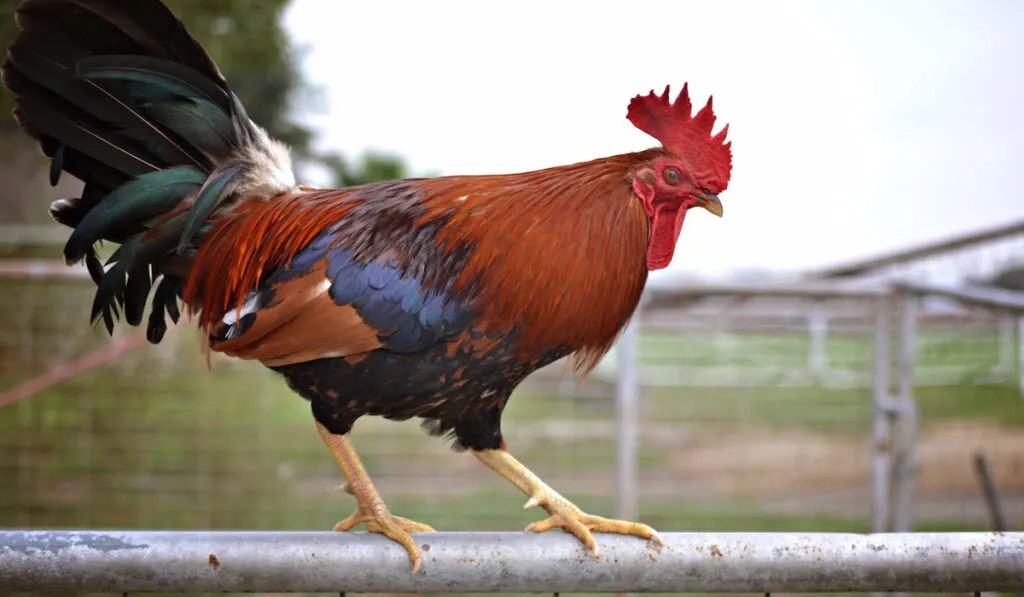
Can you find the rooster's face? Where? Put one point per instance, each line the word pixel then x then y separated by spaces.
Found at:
pixel 668 187
pixel 694 169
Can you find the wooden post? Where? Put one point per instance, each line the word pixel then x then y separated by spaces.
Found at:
pixel 880 418
pixel 904 441
pixel 1006 367
pixel 817 325
pixel 1019 361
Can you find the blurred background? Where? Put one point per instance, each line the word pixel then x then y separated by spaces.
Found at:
pixel 782 386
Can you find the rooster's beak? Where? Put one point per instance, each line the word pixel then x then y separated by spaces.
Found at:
pixel 711 203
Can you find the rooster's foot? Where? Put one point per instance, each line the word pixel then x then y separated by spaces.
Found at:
pixel 378 519
pixel 562 513
pixel 567 516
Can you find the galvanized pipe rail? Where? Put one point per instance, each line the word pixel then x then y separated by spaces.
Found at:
pixel 295 562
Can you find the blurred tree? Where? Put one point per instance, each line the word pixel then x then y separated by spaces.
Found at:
pixel 370 167
pixel 252 48
pixel 1010 278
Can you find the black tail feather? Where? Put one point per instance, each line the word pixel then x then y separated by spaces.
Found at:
pixel 119 95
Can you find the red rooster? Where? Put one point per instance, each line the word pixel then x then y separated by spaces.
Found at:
pixel 408 298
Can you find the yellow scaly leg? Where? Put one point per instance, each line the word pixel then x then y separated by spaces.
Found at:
pixel 371 508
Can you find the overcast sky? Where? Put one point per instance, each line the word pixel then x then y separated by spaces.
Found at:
pixel 857 127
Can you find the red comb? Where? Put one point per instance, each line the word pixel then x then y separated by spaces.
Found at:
pixel 689 137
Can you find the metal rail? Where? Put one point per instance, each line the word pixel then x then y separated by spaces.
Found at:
pixel 975 296
pixel 671 297
pixel 933 249
pixel 146 561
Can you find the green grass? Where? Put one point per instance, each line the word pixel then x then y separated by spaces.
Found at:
pixel 995 403
pixel 831 410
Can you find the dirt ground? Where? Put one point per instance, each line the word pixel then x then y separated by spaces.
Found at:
pixel 786 468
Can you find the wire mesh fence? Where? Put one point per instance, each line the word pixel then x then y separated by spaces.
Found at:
pixel 755 414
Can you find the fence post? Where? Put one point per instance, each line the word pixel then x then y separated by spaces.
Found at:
pixel 904 441
pixel 626 397
pixel 1006 332
pixel 882 423
pixel 880 419
pixel 1019 361
pixel 817 324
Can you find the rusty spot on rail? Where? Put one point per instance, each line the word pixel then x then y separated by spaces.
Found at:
pixel 426 547
pixel 715 551
pixel 214 562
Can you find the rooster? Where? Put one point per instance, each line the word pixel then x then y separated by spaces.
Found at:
pixel 429 298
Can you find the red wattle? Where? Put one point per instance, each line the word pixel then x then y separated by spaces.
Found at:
pixel 665 227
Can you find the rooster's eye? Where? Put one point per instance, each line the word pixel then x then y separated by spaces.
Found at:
pixel 671 175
